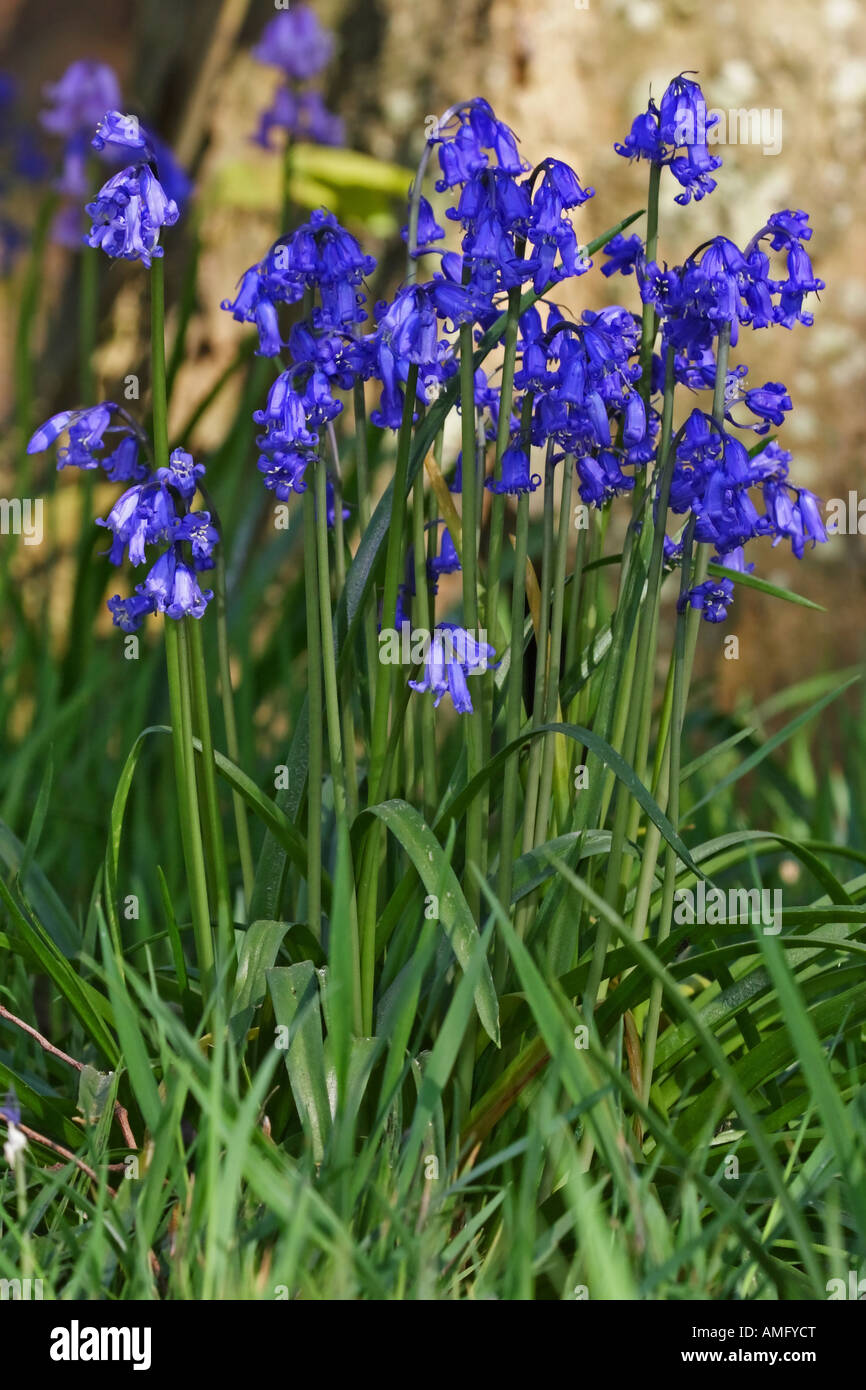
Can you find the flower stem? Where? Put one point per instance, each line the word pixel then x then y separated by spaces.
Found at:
pixel 422 608
pixel 191 639
pixel 364 512
pixel 688 624
pixel 178 674
pixel 314 706
pixel 533 778
pixel 472 725
pixel 542 819
pixel 230 722
pixel 190 825
pixel 378 770
pixel 332 705
pixel 393 573
pixel 514 698
pixel 497 511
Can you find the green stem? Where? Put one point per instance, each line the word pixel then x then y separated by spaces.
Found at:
pixel 534 774
pixel 178 673
pixel 688 623
pixel 332 706
pixel 393 574
pixel 314 706
pixel 347 704
pixel 230 722
pixel 377 775
pixel 191 635
pixel 542 819
pixel 472 726
pixel 514 704
pixel 190 825
pixel 422 609
pixel 497 511
pixel 362 467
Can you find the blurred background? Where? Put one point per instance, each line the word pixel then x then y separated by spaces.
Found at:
pixel 568 77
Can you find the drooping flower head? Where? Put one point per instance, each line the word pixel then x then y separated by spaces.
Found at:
pixel 80 98
pixel 674 135
pixel 295 43
pixel 101 436
pixel 453 655
pixel 157 510
pixel 129 210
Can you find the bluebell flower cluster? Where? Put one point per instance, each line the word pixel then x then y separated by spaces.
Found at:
pixel 674 135
pixel 295 43
pixel 722 285
pixel 718 481
pixel 324 263
pixel 318 256
pixel 87 96
pixel 155 511
pixel 502 214
pixel 583 387
pixel 132 207
pixel 452 656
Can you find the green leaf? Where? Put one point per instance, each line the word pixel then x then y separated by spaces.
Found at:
pixel 763 586
pixel 775 740
pixel 294 991
pixel 411 830
pixel 94 1092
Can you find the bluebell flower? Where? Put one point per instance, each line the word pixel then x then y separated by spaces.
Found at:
pixel 125 464
pixel 809 524
pixel 285 414
pixel 517 476
pixel 295 42
pixel 128 214
pixel 428 228
pixel 674 134
pixel 129 613
pixel 144 515
pixel 769 402
pixel 623 253
pixel 303 116
pixel 201 535
pixel 182 473
pixel 713 598
pixel 600 477
pixel 789 225
pixel 283 470
pixel 10 1110
pixel 406 333
pixel 447 561
pixel 792 291
pixel 80 98
pixel 174 588
pixel 453 656
pixel 89 431
pixel 125 132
